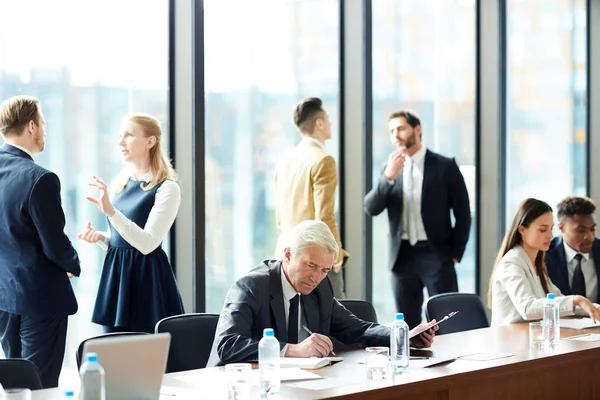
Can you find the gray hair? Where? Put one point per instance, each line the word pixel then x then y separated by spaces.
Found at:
pixel 312 232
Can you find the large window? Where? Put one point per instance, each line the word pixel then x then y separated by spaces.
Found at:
pixel 90 66
pixel 424 59
pixel 261 58
pixel 545 101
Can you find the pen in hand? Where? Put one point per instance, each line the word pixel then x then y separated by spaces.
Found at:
pixel 311 333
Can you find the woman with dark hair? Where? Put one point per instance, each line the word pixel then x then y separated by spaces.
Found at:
pixel 519 281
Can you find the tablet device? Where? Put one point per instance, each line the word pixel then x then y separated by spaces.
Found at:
pixel 432 324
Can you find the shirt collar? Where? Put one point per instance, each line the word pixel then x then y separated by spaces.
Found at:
pixel 286 286
pixel 308 139
pixel 147 177
pixel 21 148
pixel 419 155
pixel 570 253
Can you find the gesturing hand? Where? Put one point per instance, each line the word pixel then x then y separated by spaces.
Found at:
pixel 394 164
pixel 102 201
pixel 90 235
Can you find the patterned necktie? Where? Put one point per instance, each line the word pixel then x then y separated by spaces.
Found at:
pixel 293 320
pixel 410 203
pixel 578 284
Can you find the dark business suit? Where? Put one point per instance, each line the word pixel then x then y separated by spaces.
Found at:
pixel 556 261
pixel 427 263
pixel 35 255
pixel 255 302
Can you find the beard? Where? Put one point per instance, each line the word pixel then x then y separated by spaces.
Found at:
pixel 40 143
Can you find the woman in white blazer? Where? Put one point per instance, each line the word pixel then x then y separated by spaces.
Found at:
pixel 519 281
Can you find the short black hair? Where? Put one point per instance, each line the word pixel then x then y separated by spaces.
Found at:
pixel 306 112
pixel 411 117
pixel 573 205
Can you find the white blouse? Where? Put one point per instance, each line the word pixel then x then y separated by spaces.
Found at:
pixel 161 218
pixel 517 293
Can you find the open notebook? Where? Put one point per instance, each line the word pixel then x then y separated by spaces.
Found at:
pixel 308 363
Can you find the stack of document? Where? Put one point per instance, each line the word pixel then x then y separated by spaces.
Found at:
pixel 578 323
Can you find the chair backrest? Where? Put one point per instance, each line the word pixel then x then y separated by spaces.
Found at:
pixel 470 307
pixel 361 308
pixel 17 373
pixel 192 336
pixel 79 353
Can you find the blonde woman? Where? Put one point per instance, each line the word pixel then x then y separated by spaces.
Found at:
pixel 519 282
pixel 137 286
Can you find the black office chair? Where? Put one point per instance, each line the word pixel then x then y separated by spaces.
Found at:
pixel 361 308
pixel 17 373
pixel 192 336
pixel 471 312
pixel 79 353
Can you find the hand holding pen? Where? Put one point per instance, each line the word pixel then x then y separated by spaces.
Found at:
pixel 311 333
pixel 316 345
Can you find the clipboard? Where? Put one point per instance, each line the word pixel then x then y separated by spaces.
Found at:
pixel 431 325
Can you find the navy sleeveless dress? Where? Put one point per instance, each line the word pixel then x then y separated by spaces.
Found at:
pixel 135 290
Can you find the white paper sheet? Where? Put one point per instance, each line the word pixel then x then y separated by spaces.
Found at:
pixel 486 356
pixel 589 337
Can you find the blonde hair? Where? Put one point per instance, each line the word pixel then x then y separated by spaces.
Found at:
pixel 160 165
pixel 16 112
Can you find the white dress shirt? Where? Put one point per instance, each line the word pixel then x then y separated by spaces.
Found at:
pixel 21 148
pixel 288 293
pixel 417 188
pixel 162 215
pixel 313 140
pixel 517 292
pixel 587 267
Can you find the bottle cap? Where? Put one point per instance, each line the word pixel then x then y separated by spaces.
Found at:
pixel 91 357
pixel 268 332
pixel 69 394
pixel 550 296
pixel 400 316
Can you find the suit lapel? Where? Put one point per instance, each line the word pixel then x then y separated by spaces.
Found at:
pixel 561 260
pixel 276 303
pixel 596 255
pixel 427 177
pixel 311 302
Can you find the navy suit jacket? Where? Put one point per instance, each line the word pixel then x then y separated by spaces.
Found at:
pixel 443 191
pixel 35 254
pixel 556 261
pixel 255 302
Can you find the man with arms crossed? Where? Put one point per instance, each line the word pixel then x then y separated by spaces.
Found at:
pixel 286 295
pixel 36 258
pixel 419 189
pixel 305 183
pixel 573 259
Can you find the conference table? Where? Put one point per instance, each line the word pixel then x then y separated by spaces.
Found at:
pixel 570 371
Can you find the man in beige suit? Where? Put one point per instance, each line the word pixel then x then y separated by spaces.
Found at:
pixel 306 180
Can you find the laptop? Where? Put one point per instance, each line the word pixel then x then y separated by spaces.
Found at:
pixel 134 365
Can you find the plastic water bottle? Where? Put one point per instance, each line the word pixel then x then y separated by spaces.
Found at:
pixel 399 345
pixel 551 322
pixel 268 363
pixel 92 379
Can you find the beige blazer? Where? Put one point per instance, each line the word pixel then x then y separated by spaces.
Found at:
pixel 517 292
pixel 305 184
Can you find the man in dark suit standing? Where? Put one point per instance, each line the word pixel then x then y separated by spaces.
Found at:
pixel 288 295
pixel 573 260
pixel 419 189
pixel 36 258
